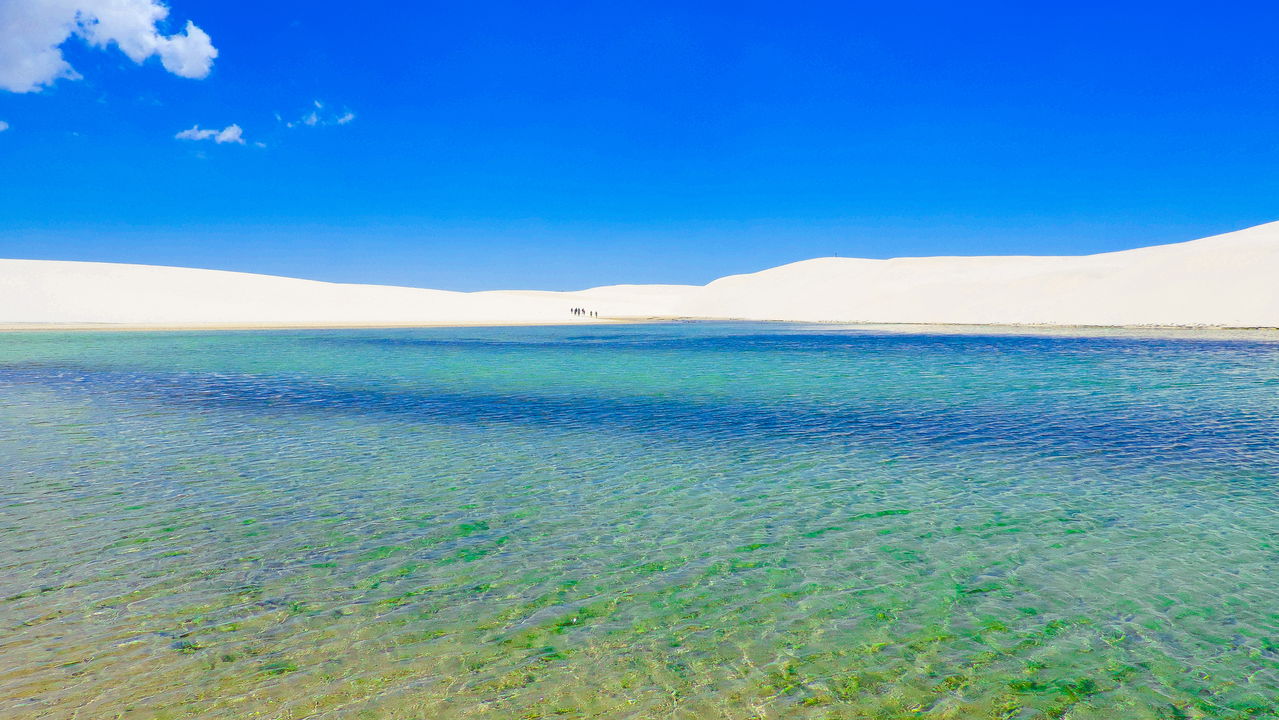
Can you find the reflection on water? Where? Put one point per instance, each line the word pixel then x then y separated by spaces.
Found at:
pixel 705 521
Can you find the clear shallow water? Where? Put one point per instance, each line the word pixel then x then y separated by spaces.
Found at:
pixel 702 521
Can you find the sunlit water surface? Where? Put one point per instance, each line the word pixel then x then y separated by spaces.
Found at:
pixel 701 521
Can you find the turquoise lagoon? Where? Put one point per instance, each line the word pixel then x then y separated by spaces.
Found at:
pixel 645 521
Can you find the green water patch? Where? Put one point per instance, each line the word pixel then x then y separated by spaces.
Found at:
pixel 685 523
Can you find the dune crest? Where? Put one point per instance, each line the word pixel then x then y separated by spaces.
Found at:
pixel 1229 280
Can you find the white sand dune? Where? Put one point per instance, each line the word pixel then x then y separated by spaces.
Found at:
pixel 1229 280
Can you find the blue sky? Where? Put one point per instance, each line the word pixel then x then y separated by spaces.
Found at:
pixel 562 145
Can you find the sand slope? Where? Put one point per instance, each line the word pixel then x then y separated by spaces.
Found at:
pixel 1227 280
pixel 46 291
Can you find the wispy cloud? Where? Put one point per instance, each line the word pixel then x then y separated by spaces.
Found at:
pixel 33 31
pixel 3 126
pixel 318 116
pixel 230 134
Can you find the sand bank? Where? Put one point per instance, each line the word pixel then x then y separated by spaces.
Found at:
pixel 1229 280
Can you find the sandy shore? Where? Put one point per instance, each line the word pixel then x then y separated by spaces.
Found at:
pixel 189 327
pixel 1226 280
pixel 1049 331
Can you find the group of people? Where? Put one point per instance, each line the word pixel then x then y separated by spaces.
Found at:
pixel 583 311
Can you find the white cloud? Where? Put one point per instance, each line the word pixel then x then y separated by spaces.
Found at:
pixel 195 133
pixel 230 134
pixel 316 118
pixel 32 32
pixel 3 126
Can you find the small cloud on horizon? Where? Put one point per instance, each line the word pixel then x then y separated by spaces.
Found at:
pixel 232 133
pixel 315 118
pixel 3 126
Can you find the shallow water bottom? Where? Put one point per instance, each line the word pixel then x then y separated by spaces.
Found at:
pixel 706 521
